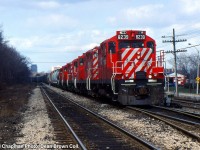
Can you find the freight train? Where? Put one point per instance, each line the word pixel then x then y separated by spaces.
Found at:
pixel 123 68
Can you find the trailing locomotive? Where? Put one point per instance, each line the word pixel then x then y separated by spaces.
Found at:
pixel 123 68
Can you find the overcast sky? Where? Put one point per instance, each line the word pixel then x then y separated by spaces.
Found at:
pixel 54 32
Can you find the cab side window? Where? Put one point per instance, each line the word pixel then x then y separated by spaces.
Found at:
pixel 81 62
pixel 112 47
pixel 76 64
pixel 150 44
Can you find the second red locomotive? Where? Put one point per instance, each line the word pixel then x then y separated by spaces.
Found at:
pixel 123 68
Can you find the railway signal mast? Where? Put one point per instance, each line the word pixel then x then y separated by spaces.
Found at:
pixel 174 51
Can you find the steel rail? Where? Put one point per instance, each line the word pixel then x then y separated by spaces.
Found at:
pixel 190 104
pixel 197 116
pixel 185 101
pixel 65 121
pixel 167 122
pixel 175 118
pixel 140 140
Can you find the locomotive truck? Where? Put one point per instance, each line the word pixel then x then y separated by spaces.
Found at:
pixel 124 68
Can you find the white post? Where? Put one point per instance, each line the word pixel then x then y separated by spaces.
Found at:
pixel 197 92
pixel 197 70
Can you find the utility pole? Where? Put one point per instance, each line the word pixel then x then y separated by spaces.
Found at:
pixel 174 51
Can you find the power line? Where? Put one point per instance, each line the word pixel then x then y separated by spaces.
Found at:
pixel 188 47
pixel 58 52
pixel 47 62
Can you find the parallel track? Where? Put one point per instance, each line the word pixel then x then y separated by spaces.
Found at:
pixel 195 115
pixel 93 131
pixel 190 111
pixel 194 104
pixel 185 117
pixel 188 125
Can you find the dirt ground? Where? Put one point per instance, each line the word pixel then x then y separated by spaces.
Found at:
pixel 13 102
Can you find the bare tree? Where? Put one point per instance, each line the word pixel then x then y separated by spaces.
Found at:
pixel 13 66
pixel 186 64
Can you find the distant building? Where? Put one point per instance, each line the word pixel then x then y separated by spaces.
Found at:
pixel 181 78
pixel 34 69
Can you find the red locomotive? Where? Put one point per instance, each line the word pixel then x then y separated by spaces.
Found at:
pixel 123 68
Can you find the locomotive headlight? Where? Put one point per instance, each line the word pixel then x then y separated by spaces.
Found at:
pixel 150 76
pixel 138 53
pixel 126 75
pixel 138 57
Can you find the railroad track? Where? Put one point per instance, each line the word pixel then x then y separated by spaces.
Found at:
pixel 183 121
pixel 181 116
pixel 91 130
pixel 187 112
pixel 194 104
pixel 63 133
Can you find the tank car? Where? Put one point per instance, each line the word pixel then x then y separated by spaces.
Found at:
pixel 53 77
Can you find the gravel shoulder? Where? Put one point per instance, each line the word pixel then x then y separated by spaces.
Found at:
pixel 24 121
pixel 37 128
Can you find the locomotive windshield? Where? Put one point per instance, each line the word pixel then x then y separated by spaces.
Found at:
pixel 131 44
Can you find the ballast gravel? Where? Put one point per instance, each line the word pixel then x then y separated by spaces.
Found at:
pixel 36 129
pixel 154 131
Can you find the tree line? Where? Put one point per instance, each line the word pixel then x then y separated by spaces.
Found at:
pixel 13 66
pixel 187 64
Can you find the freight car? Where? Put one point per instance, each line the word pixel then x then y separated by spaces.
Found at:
pixel 123 68
pixel 52 77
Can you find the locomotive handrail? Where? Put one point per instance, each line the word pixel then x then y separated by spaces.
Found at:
pixel 118 67
pixel 113 83
pixel 122 65
pixel 88 83
pixel 115 72
pixel 112 79
pixel 88 78
pixel 62 78
pixel 68 79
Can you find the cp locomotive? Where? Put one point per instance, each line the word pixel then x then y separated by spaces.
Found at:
pixel 124 68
